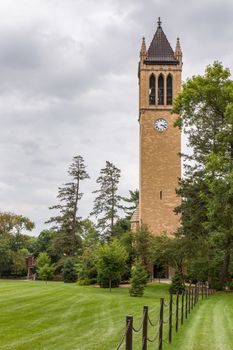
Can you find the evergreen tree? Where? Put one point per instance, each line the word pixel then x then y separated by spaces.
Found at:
pixel 133 201
pixel 107 202
pixel 66 223
pixel 138 280
pixel 177 285
pixel 69 272
pixel 206 116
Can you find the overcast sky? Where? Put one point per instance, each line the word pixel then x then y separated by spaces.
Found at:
pixel 68 86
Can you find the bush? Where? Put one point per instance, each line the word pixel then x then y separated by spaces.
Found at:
pixel 177 285
pixel 138 280
pixel 69 272
pixel 45 272
pixel 229 285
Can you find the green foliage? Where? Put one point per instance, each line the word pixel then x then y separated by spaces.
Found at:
pixel 18 265
pixel 177 285
pixel 67 222
pixel 45 272
pixel 111 263
pixel 86 266
pixel 206 116
pixel 69 272
pixel 107 201
pixel 229 285
pixel 133 201
pixel 43 259
pixel 14 224
pixel 138 280
pixel 143 247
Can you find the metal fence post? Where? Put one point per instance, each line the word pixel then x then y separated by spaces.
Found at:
pixel 182 308
pixel 144 329
pixel 170 319
pixel 189 302
pixel 177 311
pixel 192 297
pixel 129 333
pixel 186 303
pixel 161 324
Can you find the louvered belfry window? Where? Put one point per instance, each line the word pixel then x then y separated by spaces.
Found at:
pixel 169 90
pixel 152 90
pixel 161 90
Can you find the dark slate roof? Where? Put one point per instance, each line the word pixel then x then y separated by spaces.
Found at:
pixel 160 50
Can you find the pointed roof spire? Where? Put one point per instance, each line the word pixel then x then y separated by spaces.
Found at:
pixel 159 22
pixel 178 52
pixel 160 50
pixel 143 47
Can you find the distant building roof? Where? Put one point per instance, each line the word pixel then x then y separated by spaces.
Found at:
pixel 160 50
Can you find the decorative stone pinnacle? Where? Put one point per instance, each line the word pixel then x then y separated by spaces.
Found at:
pixel 159 22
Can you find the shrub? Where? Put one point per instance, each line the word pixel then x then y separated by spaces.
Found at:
pixel 138 280
pixel 69 272
pixel 177 285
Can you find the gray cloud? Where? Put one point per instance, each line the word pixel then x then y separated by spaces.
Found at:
pixel 69 86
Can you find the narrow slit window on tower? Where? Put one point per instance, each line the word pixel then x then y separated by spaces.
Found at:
pixel 152 90
pixel 161 195
pixel 161 90
pixel 169 90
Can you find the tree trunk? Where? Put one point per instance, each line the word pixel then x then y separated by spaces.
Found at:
pixel 225 269
pixel 110 285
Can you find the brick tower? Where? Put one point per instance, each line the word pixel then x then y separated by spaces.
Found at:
pixel 159 76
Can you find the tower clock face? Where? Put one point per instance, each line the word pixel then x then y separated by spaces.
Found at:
pixel 161 124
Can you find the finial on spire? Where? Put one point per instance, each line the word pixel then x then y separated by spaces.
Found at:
pixel 159 22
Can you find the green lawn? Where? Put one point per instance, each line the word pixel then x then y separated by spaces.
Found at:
pixel 61 316
pixel 210 326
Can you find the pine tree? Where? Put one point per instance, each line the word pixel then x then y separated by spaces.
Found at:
pixel 177 285
pixel 69 272
pixel 66 223
pixel 138 280
pixel 107 202
pixel 133 201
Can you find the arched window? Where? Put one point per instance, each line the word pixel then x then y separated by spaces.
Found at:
pixel 169 90
pixel 161 90
pixel 152 90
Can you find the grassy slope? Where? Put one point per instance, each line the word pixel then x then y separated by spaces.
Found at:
pixel 210 326
pixel 61 316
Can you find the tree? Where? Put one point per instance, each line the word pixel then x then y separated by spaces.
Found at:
pixel 69 196
pixel 86 266
pixel 177 285
pixel 45 272
pixel 206 116
pixel 107 202
pixel 110 263
pixel 133 201
pixel 43 259
pixel 138 279
pixel 18 266
pixel 69 272
pixel 44 268
pixel 14 224
pixel 143 243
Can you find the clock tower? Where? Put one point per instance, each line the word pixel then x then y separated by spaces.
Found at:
pixel 159 74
